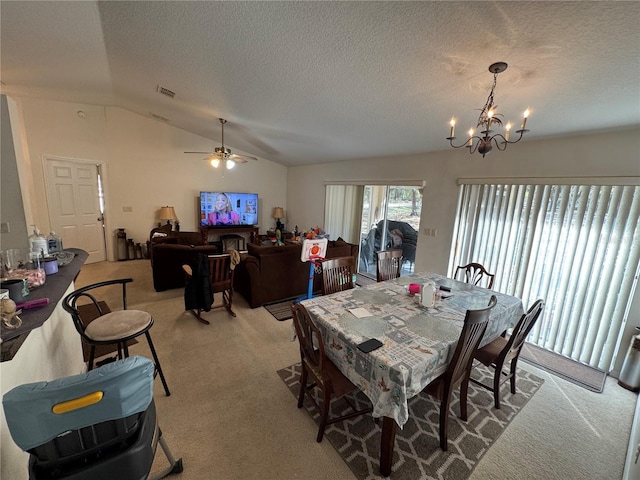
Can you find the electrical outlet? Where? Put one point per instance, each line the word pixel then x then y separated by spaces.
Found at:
pixel 127 209
pixel 5 227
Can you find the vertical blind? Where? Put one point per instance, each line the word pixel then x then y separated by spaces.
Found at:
pixel 575 246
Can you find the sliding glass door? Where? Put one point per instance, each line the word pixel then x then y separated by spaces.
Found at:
pixel 575 246
pixel 377 217
pixel 390 219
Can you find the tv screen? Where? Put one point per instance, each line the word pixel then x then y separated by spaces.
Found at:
pixel 223 208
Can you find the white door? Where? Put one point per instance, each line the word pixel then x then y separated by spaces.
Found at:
pixel 74 206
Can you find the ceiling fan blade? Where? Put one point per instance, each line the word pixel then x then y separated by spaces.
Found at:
pixel 241 158
pixel 221 153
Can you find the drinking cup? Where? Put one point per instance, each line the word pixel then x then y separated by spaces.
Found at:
pixel 17 288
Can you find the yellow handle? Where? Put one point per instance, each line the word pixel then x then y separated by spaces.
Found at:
pixel 76 403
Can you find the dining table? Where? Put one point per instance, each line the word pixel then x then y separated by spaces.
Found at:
pixel 417 341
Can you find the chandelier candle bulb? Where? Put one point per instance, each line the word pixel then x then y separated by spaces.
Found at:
pixel 453 126
pixel 525 115
pixel 507 127
pixel 470 137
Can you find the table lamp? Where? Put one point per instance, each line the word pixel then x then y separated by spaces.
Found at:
pixel 168 214
pixel 278 213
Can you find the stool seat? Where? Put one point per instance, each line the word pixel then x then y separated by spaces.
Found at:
pixel 119 325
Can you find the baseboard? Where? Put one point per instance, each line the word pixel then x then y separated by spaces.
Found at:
pixel 632 465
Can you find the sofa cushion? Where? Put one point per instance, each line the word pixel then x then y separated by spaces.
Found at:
pixel 165 240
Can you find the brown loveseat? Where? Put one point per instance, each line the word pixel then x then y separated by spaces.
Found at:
pixel 168 254
pixel 268 274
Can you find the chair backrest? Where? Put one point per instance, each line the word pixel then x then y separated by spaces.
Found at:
pixel 475 273
pixel 522 329
pixel 310 338
pixel 40 412
pixel 220 272
pixel 475 324
pixel 337 274
pixel 70 302
pixel 389 264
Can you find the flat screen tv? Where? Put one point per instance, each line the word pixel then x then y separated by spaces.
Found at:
pixel 228 209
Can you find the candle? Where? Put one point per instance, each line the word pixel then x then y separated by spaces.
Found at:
pixel 524 119
pixel 489 117
pixel 470 137
pixel 453 127
pixel 507 127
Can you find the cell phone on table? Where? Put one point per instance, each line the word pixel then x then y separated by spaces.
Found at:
pixel 370 345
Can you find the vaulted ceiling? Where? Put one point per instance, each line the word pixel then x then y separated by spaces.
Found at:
pixel 321 81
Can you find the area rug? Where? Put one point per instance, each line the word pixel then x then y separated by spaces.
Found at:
pixel 586 376
pixel 417 453
pixel 281 310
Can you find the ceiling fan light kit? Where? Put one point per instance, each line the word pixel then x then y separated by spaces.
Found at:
pixel 221 154
pixel 483 143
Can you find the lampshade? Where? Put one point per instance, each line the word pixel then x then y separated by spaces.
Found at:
pixel 168 213
pixel 278 212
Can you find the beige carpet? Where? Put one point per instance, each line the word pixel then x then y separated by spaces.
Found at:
pixel 231 417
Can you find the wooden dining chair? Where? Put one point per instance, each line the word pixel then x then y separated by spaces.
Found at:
pixel 459 369
pixel 475 273
pixel 337 274
pixel 208 275
pixel 388 264
pixel 503 350
pixel 323 372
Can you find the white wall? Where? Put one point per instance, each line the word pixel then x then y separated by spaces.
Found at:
pixel 596 155
pixel 11 207
pixel 145 167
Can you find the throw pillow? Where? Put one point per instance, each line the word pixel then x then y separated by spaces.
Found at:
pixel 396 237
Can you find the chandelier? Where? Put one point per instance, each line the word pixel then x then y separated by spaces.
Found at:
pixel 484 142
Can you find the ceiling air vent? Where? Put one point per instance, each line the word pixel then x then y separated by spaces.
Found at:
pixel 159 117
pixel 165 91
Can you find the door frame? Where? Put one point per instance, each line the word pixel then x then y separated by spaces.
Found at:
pixel 108 243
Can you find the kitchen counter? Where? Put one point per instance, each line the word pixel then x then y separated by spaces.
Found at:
pixel 53 289
pixel 47 346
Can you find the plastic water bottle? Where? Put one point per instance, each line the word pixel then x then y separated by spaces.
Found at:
pixel 54 242
pixel 38 242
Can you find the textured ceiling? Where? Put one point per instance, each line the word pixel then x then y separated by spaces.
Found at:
pixel 310 82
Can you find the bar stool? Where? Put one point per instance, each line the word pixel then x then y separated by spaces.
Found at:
pixel 109 327
pixel 234 240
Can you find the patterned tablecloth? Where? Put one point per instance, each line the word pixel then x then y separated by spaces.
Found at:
pixel 417 340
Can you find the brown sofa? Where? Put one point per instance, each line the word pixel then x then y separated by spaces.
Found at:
pixel 268 274
pixel 168 254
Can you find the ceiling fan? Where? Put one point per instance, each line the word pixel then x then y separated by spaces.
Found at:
pixel 222 154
